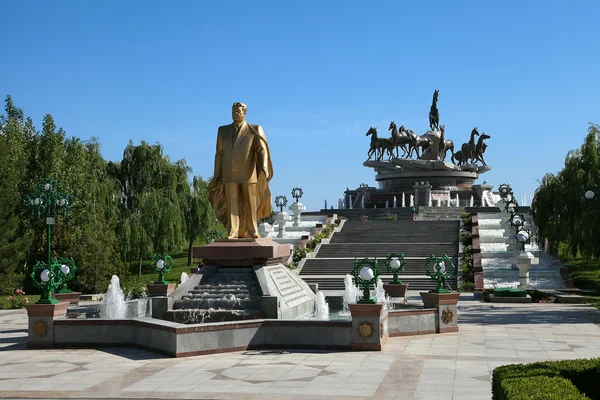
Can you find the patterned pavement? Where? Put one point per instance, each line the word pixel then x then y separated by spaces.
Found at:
pixel 448 366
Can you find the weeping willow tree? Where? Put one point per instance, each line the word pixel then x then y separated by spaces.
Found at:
pixel 154 195
pixel 561 212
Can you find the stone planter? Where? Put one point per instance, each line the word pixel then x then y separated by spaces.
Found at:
pixel 447 310
pixel 71 298
pixel 41 323
pixel 395 289
pixel 159 289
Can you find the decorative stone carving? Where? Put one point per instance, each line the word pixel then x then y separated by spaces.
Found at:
pixel 365 330
pixel 447 316
pixel 40 328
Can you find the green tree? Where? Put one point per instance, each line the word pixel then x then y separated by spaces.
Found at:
pixel 200 217
pixel 561 213
pixel 95 250
pixel 153 195
pixel 13 158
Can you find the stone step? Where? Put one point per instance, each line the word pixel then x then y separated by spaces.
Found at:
pixel 207 315
pixel 380 250
pixel 217 304
pixel 199 290
pixel 320 266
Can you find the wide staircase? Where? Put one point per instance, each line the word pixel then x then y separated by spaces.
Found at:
pixel 418 240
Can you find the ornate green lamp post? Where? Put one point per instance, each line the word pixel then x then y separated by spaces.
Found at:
pixel 366 272
pixel 47 202
pixel 162 263
pixel 297 193
pixel 443 269
pixel 46 277
pixel 281 201
pixel 395 263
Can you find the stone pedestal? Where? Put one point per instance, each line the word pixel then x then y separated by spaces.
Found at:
pixel 395 289
pixel 41 323
pixel 524 261
pixel 281 218
pixel 159 289
pixel 297 209
pixel 369 327
pixel 70 297
pixel 243 252
pixel 446 305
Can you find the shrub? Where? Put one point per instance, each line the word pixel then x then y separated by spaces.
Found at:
pixel 485 296
pixel 540 297
pixel 134 288
pixel 299 253
pixel 540 387
pixel 465 237
pixel 566 379
pixel 466 286
pixel 15 300
pixel 9 282
pixel 391 217
pixel 291 265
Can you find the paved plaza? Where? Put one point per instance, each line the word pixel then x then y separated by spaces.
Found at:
pixel 437 367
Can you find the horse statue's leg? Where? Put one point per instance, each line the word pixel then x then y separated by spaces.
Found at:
pixel 404 151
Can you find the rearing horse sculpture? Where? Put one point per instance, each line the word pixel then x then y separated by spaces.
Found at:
pixel 468 149
pixel 434 115
pixel 399 140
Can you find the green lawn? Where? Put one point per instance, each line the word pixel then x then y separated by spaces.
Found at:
pixel 586 276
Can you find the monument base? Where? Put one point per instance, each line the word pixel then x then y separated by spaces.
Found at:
pixel 243 252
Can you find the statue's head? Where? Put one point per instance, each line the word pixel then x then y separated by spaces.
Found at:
pixel 238 111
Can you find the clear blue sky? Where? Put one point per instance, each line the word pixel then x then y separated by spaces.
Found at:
pixel 315 75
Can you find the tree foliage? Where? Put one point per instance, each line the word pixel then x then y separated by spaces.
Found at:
pixel 124 211
pixel 561 212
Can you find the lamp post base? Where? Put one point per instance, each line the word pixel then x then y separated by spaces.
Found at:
pixel 395 289
pixel 41 323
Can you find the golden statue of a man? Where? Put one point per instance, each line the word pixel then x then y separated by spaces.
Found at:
pixel 239 190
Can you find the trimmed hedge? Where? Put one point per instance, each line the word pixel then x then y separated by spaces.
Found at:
pixel 548 380
pixel 541 388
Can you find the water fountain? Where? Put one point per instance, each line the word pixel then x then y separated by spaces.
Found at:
pixel 321 307
pixel 351 294
pixel 113 304
pixel 382 297
pixel 229 294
